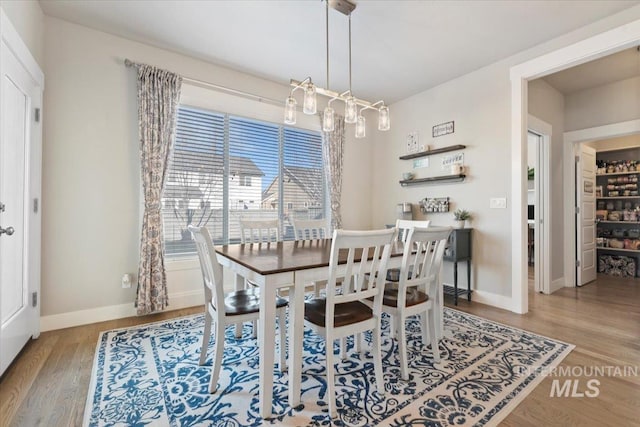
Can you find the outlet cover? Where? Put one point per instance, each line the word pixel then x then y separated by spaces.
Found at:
pixel 498 203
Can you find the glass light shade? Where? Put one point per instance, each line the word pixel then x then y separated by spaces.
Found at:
pixel 384 121
pixel 309 103
pixel 290 110
pixel 328 120
pixel 350 110
pixel 360 127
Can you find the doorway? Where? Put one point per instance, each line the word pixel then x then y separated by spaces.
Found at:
pixel 538 152
pixel 572 143
pixel 595 47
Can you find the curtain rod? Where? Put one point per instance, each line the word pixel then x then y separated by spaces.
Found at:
pixel 128 63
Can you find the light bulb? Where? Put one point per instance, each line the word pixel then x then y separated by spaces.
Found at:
pixel 290 110
pixel 384 121
pixel 309 103
pixel 328 120
pixel 360 127
pixel 350 110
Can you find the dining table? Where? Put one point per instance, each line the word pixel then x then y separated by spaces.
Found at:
pixel 292 265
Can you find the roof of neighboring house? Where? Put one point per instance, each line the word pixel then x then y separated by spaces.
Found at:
pixel 244 166
pixel 174 191
pixel 308 179
pixel 208 162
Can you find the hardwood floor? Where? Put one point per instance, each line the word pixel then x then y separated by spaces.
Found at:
pixel 47 384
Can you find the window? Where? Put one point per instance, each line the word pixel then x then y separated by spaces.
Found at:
pixel 226 167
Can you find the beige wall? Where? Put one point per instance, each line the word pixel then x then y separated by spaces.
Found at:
pixel 603 105
pixel 91 166
pixel 479 103
pixel 547 104
pixel 28 20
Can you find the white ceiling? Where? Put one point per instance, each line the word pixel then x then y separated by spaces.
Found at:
pixel 619 66
pixel 399 47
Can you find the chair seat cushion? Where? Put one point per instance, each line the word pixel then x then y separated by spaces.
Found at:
pixel 414 296
pixel 345 314
pixel 246 301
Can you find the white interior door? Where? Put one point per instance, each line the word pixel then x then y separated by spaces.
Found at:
pixel 19 219
pixel 586 218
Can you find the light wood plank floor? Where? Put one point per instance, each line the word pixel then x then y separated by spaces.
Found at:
pixel 47 384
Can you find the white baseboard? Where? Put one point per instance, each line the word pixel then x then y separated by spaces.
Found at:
pixel 556 285
pixel 111 312
pixel 495 300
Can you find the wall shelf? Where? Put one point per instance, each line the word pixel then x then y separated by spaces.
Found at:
pixel 618 173
pixel 433 179
pixel 602 248
pixel 617 197
pixel 432 152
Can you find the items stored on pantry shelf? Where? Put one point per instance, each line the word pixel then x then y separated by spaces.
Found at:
pixel 615 166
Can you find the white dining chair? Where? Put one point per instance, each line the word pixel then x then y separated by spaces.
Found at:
pixel 343 312
pixel 259 230
pixel 234 307
pixel 417 288
pixel 311 229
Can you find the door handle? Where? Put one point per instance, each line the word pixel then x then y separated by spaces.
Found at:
pixel 8 231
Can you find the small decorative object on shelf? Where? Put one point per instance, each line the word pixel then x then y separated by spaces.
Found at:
pixel 616 166
pixel 461 216
pixel 432 205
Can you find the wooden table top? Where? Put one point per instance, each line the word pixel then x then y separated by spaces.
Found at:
pixel 280 257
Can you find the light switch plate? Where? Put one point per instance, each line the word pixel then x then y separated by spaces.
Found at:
pixel 498 203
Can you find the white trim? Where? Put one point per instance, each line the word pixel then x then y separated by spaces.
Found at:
pixel 111 312
pixel 569 166
pixel 543 241
pixel 489 298
pixel 20 50
pixel 10 40
pixel 595 47
pixel 557 285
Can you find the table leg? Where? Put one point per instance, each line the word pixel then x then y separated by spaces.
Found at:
pixel 440 311
pixel 266 345
pixel 296 336
pixel 455 283
pixel 239 286
pixel 468 280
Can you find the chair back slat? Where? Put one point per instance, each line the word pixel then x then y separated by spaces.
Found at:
pixel 365 279
pixel 403 226
pixel 211 269
pixel 310 229
pixel 421 266
pixel 259 231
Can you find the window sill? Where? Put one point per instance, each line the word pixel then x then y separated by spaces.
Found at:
pixel 187 262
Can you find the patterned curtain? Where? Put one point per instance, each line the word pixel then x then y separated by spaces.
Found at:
pixel 158 96
pixel 332 149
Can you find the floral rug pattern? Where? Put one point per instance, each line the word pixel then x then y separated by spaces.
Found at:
pixel 149 375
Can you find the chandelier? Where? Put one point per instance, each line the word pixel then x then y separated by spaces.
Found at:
pixel 353 107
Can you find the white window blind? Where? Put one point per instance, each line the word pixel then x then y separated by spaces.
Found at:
pixel 226 167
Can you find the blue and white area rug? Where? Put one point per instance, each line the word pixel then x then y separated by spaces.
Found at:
pixel 149 375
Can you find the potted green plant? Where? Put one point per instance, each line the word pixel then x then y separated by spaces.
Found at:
pixel 461 216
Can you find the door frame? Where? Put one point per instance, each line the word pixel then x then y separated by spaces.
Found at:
pixel 10 39
pixel 612 41
pixel 542 251
pixel 571 141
